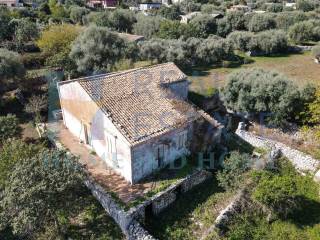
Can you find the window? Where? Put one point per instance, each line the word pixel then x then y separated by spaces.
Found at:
pixel 182 139
pixel 109 144
pixel 160 154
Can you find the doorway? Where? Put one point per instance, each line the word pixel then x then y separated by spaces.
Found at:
pixel 86 134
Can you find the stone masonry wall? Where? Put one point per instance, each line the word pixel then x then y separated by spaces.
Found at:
pixel 129 226
pixel 163 199
pixel 302 162
pixel 163 202
pixel 190 182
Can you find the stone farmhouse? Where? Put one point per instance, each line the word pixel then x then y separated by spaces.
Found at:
pixel 137 121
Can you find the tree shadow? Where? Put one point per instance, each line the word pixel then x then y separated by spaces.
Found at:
pixel 178 214
pixel 307 214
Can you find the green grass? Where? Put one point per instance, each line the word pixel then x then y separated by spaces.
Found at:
pixel 191 215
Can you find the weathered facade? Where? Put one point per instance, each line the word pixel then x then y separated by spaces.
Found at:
pixel 137 121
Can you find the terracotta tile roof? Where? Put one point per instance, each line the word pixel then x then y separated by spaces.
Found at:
pixel 138 101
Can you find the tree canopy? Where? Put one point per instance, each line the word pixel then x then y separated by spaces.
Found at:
pixel 11 66
pixel 55 43
pixel 97 49
pixel 9 127
pixel 38 189
pixel 257 91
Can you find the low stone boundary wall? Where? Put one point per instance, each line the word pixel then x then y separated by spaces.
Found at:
pixel 163 199
pixel 233 208
pixel 302 162
pixel 128 221
pixel 129 226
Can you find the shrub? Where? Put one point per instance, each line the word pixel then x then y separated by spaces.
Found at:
pixel 55 44
pixel 9 127
pixel 33 60
pixel 231 177
pixel 279 193
pixel 313 109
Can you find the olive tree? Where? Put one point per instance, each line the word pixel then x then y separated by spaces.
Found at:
pixel 224 27
pixel 5 27
pixel 205 24
pixel 240 39
pixel 237 20
pixel 38 190
pixel 261 22
pixel 24 31
pixel 77 14
pixel 97 49
pixel 257 91
pixel 306 5
pixel 11 66
pixel 305 31
pixel 286 19
pixel 269 42
pixel 173 12
pixel 214 50
pixel 146 26
pixel 12 152
pixel 122 20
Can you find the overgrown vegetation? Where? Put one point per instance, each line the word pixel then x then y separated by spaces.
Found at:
pixel 291 198
pixel 191 215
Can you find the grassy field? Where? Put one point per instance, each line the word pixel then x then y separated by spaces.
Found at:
pixel 299 67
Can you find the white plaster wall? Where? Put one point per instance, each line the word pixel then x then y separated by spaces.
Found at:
pixel 101 128
pixel 144 156
pixel 120 156
pixel 73 124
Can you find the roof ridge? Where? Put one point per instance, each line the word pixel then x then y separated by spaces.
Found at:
pixel 124 71
pixel 99 76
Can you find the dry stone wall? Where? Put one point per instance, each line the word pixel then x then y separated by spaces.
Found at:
pixel 129 226
pixel 302 162
pixel 163 199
